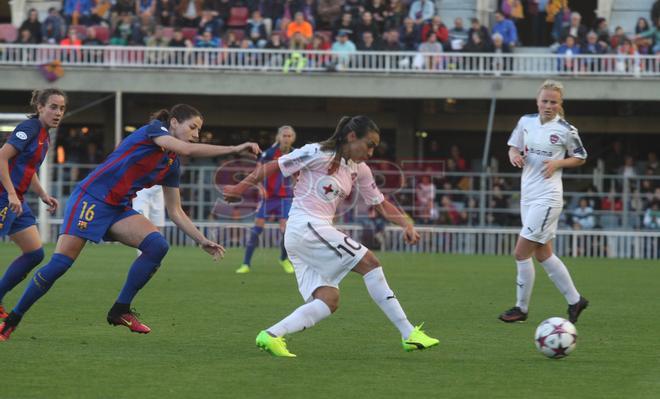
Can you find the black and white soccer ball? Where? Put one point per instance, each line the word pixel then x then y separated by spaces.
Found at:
pixel 555 337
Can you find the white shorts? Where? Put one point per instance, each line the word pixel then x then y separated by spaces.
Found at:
pixel 321 255
pixel 151 203
pixel 539 222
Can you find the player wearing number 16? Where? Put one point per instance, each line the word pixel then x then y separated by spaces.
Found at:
pixel 321 254
pixel 100 208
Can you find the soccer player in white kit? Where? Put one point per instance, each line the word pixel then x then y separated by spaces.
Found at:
pixel 542 145
pixel 151 203
pixel 322 255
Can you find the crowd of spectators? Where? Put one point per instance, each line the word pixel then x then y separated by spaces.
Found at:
pixel 343 26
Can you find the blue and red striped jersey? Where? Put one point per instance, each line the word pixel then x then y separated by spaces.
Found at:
pixel 31 140
pixel 135 164
pixel 276 185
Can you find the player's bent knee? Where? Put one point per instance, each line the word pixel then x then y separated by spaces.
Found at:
pixel 154 246
pixel 35 257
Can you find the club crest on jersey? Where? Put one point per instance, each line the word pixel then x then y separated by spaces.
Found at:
pixel 353 176
pixel 554 139
pixel 82 225
pixel 21 135
pixel 328 189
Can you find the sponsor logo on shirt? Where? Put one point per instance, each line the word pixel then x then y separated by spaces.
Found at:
pixel 539 152
pixel 296 161
pixel 21 135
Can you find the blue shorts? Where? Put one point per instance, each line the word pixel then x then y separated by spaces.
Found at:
pixel 278 207
pixel 10 223
pixel 89 218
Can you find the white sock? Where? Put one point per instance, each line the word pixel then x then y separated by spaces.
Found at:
pixel 304 317
pixel 524 283
pixel 383 296
pixel 559 275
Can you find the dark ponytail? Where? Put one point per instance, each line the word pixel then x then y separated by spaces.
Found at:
pixel 360 124
pixel 40 97
pixel 180 112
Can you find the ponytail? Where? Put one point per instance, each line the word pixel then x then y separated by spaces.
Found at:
pixel 40 97
pixel 360 124
pixel 180 112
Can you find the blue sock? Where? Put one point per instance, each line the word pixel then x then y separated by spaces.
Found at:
pixel 42 280
pixel 154 247
pixel 252 244
pixel 283 253
pixel 19 269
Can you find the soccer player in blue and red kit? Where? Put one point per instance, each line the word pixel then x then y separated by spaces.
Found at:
pixel 100 208
pixel 276 202
pixel 20 158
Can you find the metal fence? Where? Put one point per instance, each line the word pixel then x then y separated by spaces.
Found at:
pixel 493 64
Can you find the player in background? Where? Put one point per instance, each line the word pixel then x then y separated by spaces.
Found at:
pixel 20 158
pixel 278 194
pixel 150 202
pixel 100 208
pixel 542 145
pixel 322 255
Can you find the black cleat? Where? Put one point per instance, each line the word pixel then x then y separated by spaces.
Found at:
pixel 512 315
pixel 577 308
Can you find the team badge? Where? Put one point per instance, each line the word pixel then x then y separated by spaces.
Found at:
pixel 82 225
pixel 554 139
pixel 21 135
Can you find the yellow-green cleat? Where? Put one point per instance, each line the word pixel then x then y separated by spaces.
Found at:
pixel 287 266
pixel 243 269
pixel 418 340
pixel 276 346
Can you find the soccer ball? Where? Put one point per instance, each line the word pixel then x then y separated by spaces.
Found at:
pixel 555 337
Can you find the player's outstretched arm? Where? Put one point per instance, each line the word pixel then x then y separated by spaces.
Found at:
pixel 233 193
pixel 37 188
pixel 393 214
pixel 173 204
pixel 205 150
pixel 7 152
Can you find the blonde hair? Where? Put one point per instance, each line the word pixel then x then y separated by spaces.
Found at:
pixel 556 86
pixel 281 130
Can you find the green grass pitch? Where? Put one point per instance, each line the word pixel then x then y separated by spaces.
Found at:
pixel 205 318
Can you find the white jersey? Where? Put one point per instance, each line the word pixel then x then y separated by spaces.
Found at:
pixel 540 142
pixel 316 194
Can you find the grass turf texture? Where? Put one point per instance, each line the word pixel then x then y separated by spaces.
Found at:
pixel 205 319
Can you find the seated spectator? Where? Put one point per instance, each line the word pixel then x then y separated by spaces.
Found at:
pixel 221 8
pixel 652 162
pixel 583 216
pixel 368 43
pixel 435 26
pixel 188 13
pixel 643 39
pixel 594 47
pixel 345 23
pixel 230 40
pixel 53 27
pixel 395 13
pixel 499 47
pixel 458 35
pixel 33 25
pixel 651 38
pixel 409 35
pixel 575 29
pixel 391 42
pixel 449 214
pixel 123 33
pixel 343 47
pixel 275 42
pixel 157 39
pixel 255 30
pixel 319 43
pixel 77 12
pixel 25 37
pixel 178 40
pixel 377 8
pixel 71 39
pixel 165 13
pixel 476 44
pixel 145 8
pixel 297 42
pixel 427 61
pixel 506 28
pixel 367 24
pixel 482 31
pixel 627 57
pixel 91 39
pixel 421 11
pixel 455 154
pixel 209 22
pixel 354 7
pixel 652 216
pixel 300 25
pixel 627 170
pixel 425 200
pixel 328 11
pixel 618 37
pixel 497 204
pixel 566 52
pixel 602 29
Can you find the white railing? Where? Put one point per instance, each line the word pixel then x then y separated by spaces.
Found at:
pixel 321 61
pixel 445 240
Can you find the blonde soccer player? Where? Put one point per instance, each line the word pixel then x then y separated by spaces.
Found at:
pixel 543 145
pixel 322 255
